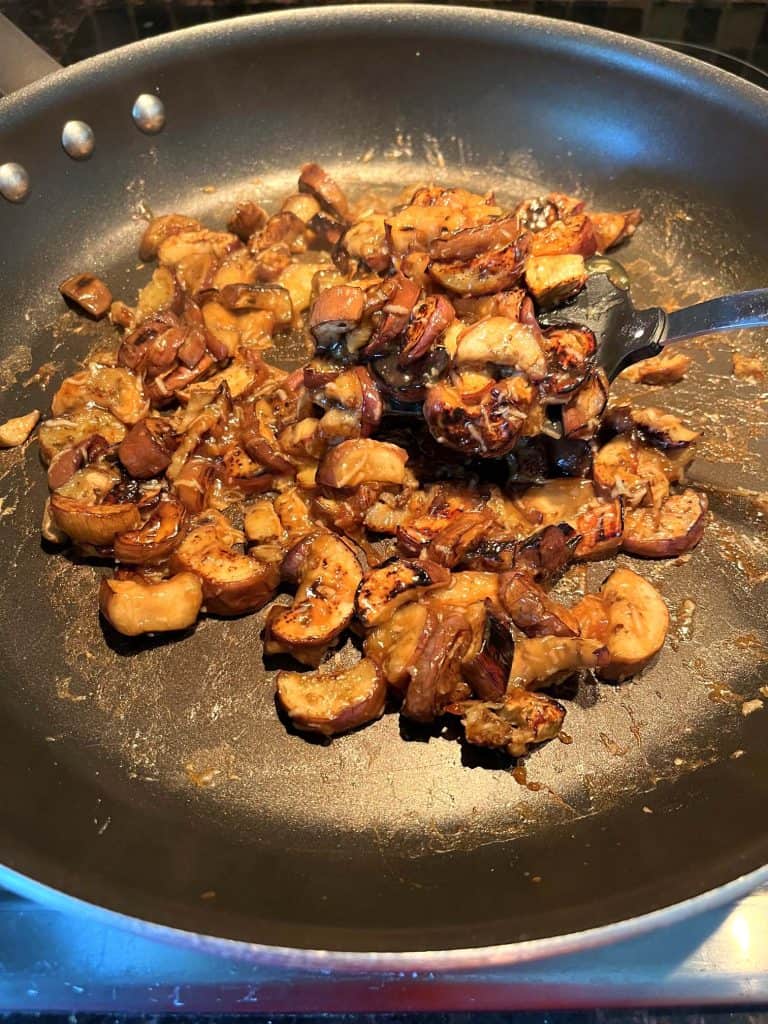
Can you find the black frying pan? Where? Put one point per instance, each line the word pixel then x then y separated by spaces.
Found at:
pixel 155 779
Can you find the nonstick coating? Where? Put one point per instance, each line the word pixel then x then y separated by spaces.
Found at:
pixel 156 778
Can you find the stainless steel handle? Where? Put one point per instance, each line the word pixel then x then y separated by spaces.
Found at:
pixel 21 61
pixel 727 313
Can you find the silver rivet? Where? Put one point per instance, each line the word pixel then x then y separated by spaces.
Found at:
pixel 14 182
pixel 78 139
pixel 148 113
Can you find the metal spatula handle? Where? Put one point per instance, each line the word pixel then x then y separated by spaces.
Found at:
pixel 727 313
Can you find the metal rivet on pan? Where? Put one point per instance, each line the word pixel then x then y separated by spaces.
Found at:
pixel 78 139
pixel 148 113
pixel 14 182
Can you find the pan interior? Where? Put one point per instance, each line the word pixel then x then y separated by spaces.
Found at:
pixel 162 780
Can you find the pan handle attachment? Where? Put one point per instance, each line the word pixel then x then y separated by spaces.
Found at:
pixel 21 61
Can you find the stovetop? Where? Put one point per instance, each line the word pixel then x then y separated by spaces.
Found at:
pixel 51 960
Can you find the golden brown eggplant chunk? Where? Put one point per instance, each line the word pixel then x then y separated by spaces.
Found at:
pixel 367 242
pixel 362 461
pixel 137 606
pixel 334 313
pixel 486 423
pixel 600 526
pixel 333 702
pixel 489 272
pixel 638 622
pixel 503 342
pixel 466 588
pixel 147 448
pixel 553 279
pixel 531 609
pixel 469 242
pixel 591 613
pixel 392 320
pixel 316 181
pixel 662 429
pixel 610 229
pixel 394 644
pixel 431 318
pixel 436 679
pixel 581 413
pixel 194 484
pixel 669 367
pixel 88 293
pixel 548 660
pixel 153 542
pixel 539 212
pixel 233 582
pixel 675 528
pixel 461 535
pixel 546 553
pixel 573 235
pixel 625 468
pixel 270 298
pixel 160 228
pixel 328 574
pixel 94 525
pixel 111 388
pixel 16 431
pixel 63 432
pixel 69 461
pixel 311 656
pixel 384 589
pixel 488 662
pixel 515 724
pixel 247 218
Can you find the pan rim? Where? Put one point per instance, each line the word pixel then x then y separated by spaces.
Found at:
pixel 439 960
pixel 652 59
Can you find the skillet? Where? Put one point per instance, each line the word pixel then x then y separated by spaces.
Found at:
pixel 153 782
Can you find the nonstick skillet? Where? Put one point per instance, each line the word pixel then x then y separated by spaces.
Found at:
pixel 154 780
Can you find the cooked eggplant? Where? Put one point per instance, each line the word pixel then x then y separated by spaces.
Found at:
pixel 247 218
pixel 486 422
pixel 88 293
pixel 154 541
pixel 503 342
pixel 531 609
pixel 612 228
pixel 547 660
pixel 669 367
pixel 94 525
pixel 638 622
pixel 600 526
pixel 16 431
pixel 395 315
pixel 487 665
pixel 662 429
pixel 429 321
pixel 553 279
pixel 233 582
pixel 676 527
pixel 515 724
pixel 573 235
pixel 488 272
pixel 625 468
pixel 110 388
pixel 581 413
pixel 362 461
pixel 334 313
pixel 147 448
pixel 136 606
pixel 394 643
pixel 436 679
pixel 469 242
pixel 328 574
pixel 386 588
pixel 319 184
pixel 160 228
pixel 332 703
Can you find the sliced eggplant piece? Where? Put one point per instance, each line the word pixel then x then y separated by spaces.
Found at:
pixel 362 461
pixel 545 554
pixel 88 293
pixel 553 279
pixel 247 218
pixel 160 228
pixel 334 313
pixel 600 527
pixel 328 574
pixel 668 367
pixel 233 582
pixel 489 272
pixel 469 242
pixel 487 665
pixel 449 546
pixel 109 387
pixel 573 235
pixel 675 528
pixel 320 185
pixel 531 609
pixel 548 660
pixel 394 644
pixel 638 622
pixel 625 468
pixel 395 315
pixel 147 448
pixel 332 703
pixel 94 525
pixel 468 587
pixel 581 413
pixel 389 586
pixel 430 319
pixel 153 542
pixel 515 724
pixel 663 429
pixel 436 679
pixel 610 229
pixel 486 424
pixel 503 342
pixel 16 431
pixel 137 606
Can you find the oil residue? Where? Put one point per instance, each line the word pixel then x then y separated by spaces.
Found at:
pixel 684 614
